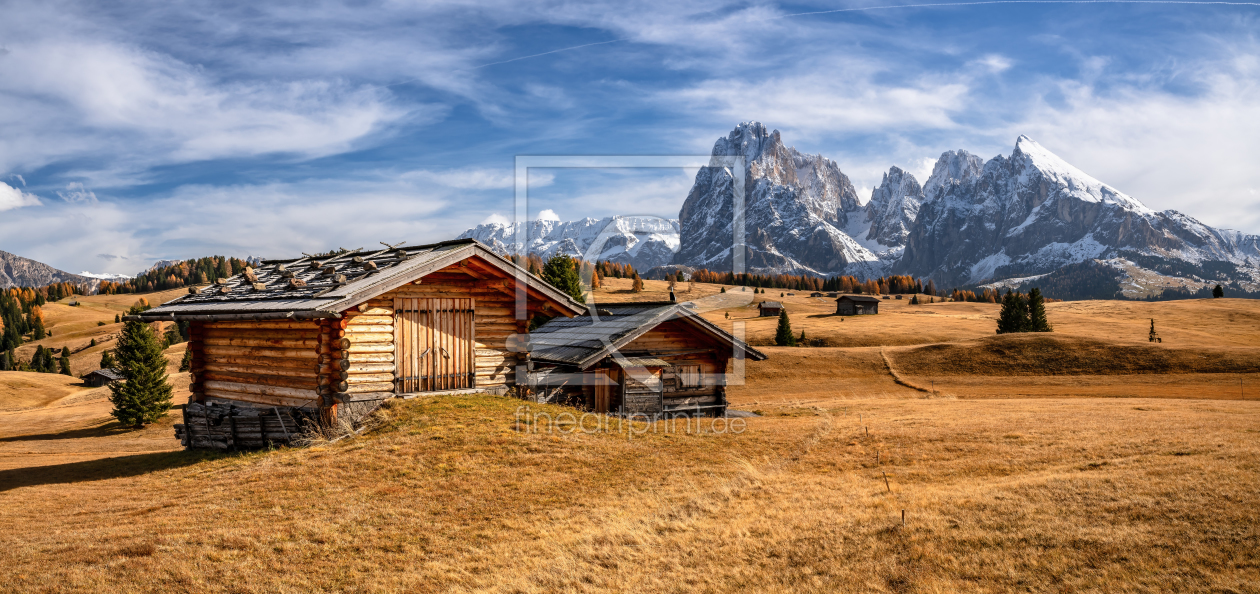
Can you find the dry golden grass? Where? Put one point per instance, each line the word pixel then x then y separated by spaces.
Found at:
pixel 1007 481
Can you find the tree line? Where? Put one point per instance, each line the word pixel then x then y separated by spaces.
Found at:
pixel 197 271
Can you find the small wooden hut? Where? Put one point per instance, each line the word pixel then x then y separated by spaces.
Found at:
pixel 856 305
pixel 322 337
pixel 636 358
pixel 767 309
pixel 102 377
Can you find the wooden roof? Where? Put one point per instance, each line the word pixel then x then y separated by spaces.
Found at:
pixel 107 373
pixel 584 340
pixel 861 298
pixel 306 288
pixel 770 305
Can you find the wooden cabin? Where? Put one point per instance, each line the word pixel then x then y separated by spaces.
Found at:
pixel 767 309
pixel 102 377
pixel 636 358
pixel 856 305
pixel 332 336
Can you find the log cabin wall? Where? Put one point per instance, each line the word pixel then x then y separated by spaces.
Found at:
pixel 370 356
pixel 494 320
pixel 269 363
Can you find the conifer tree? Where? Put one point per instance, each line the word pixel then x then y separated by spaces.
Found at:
pixel 723 289
pixel 637 287
pixel 107 359
pixel 783 334
pixel 1218 292
pixel 561 273
pixel 117 318
pixel 65 362
pixel 801 341
pixel 185 364
pixel 1037 321
pixel 1014 315
pixel 145 396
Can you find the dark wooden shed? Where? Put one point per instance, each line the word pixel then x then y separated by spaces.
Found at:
pixel 769 308
pixel 103 377
pixel 636 358
pixel 333 336
pixel 856 305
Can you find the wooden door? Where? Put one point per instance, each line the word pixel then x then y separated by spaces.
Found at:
pixel 605 383
pixel 433 345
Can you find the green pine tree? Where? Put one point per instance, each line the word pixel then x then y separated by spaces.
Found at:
pixel 1037 321
pixel 65 362
pixel 107 359
pixel 783 335
pixel 117 318
pixel 185 364
pixel 561 272
pixel 723 289
pixel 145 396
pixel 1014 315
pixel 1218 292
pixel 801 341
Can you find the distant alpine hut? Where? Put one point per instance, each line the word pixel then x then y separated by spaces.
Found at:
pixel 103 377
pixel 319 338
pixel 636 358
pixel 856 305
pixel 767 309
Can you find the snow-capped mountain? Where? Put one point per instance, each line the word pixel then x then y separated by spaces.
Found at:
pixel 1032 212
pixel 892 210
pixel 800 212
pixel 643 242
pixel 1008 221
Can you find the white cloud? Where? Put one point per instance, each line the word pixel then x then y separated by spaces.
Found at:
pixel 994 63
pixel 76 192
pixel 477 178
pixel 496 219
pixel 11 197
pixel 548 215
pixel 846 102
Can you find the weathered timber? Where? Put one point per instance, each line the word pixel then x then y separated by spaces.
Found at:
pixel 372 387
pixel 231 351
pixel 367 320
pixel 362 396
pixel 371 348
pixel 274 343
pixel 354 357
pixel 261 390
pixel 371 368
pixel 353 330
pixel 270 400
pixel 363 378
pixel 260 370
pixel 368 337
pixel 285 325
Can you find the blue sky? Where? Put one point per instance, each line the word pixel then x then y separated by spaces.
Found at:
pixel 174 129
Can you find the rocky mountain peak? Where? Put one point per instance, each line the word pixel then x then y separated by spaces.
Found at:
pixel 893 208
pixel 953 168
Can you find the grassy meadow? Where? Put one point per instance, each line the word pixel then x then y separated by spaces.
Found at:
pixel 1087 460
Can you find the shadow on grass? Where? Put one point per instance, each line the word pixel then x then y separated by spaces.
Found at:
pixel 105 468
pixel 109 429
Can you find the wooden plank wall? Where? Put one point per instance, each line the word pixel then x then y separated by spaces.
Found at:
pixel 676 336
pixel 272 363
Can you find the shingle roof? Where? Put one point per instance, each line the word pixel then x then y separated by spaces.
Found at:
pixel 319 287
pixel 108 373
pixel 863 298
pixel 771 304
pixel 584 340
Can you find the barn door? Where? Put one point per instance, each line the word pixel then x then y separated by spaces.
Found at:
pixel 433 345
pixel 605 384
